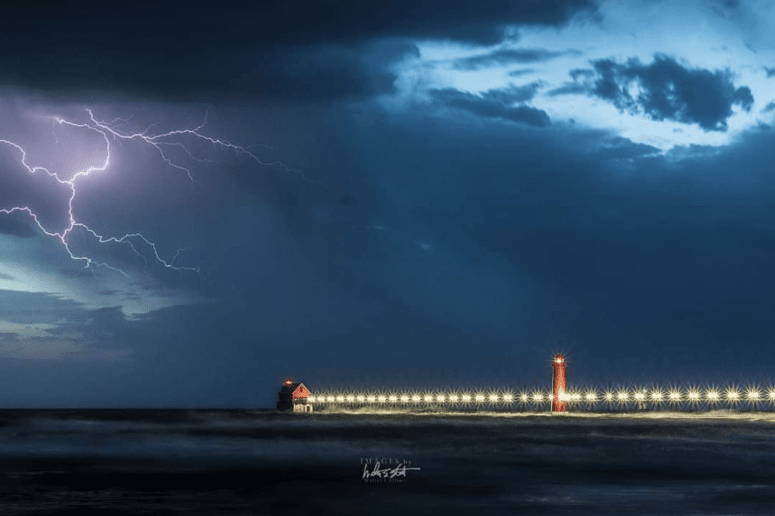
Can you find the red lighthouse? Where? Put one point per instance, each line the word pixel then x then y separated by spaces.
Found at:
pixel 558 383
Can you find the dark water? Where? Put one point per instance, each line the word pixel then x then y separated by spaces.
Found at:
pixel 261 462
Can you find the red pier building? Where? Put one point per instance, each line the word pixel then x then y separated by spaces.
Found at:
pixel 293 396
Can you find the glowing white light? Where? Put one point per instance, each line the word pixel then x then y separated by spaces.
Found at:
pixel 538 397
pixel 523 397
pixel 453 398
pixel 404 398
pixel 753 395
pixel 712 395
pixel 508 398
pixel 361 398
pixel 440 398
pixel 331 399
pixel 609 396
pixel 466 397
pixel 591 396
pixel 656 396
pixel 733 395
pixel 350 398
pixel 381 398
pixel 674 395
pixel 428 398
pixel 694 395
pixel 480 397
pixel 416 398
pixel 393 398
pixel 576 397
pixel 623 396
pixel 639 396
pixel 371 398
pixel 310 398
pixel 493 398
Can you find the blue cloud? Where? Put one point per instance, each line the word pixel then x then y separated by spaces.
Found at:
pixel 669 91
pixel 507 56
pixel 496 104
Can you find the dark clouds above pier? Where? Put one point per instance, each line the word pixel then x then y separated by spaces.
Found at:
pixel 389 194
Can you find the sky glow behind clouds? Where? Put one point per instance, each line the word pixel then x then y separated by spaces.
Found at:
pixel 446 195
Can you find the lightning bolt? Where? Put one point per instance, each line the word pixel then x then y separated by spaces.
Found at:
pixel 111 133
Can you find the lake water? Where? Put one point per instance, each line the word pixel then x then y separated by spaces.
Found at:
pixel 262 462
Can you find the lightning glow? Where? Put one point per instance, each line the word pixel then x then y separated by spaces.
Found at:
pixel 109 133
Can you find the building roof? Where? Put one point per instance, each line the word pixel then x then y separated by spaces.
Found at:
pixel 297 390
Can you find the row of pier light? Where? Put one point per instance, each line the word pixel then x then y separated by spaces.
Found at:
pixel 729 395
pixel 297 397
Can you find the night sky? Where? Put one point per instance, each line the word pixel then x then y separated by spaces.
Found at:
pixel 382 193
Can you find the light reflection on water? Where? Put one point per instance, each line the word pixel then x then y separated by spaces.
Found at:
pixel 714 462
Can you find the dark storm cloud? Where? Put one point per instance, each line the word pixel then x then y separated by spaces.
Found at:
pixel 568 89
pixel 513 93
pixel 6 276
pixel 769 107
pixel 770 71
pixel 723 7
pixel 668 91
pixel 103 329
pixel 575 87
pixel 520 72
pixel 236 49
pixel 623 148
pixel 13 226
pixel 80 273
pixel 33 308
pixel 495 104
pixel 39 192
pixel 624 248
pixel 507 56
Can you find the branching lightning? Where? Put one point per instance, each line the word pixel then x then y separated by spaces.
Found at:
pixel 110 133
